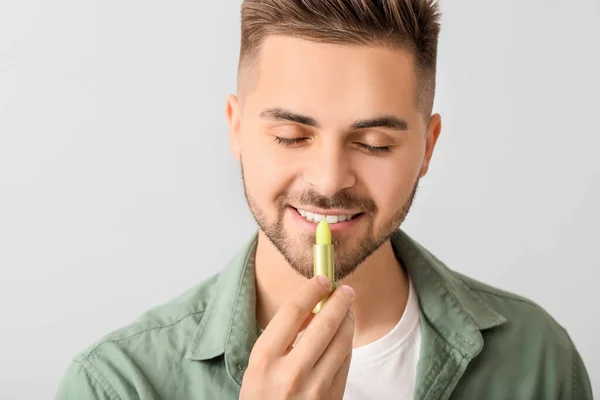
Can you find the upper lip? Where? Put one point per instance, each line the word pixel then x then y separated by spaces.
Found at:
pixel 328 211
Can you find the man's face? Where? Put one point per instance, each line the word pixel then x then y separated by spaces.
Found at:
pixel 331 130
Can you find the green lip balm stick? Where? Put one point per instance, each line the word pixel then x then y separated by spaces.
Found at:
pixel 323 259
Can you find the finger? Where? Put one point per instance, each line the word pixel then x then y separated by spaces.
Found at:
pixel 335 354
pixel 281 332
pixel 338 385
pixel 307 321
pixel 321 330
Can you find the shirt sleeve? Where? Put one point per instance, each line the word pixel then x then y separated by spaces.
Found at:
pixel 582 388
pixel 83 381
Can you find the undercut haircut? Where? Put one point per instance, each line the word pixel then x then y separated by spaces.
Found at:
pixel 409 25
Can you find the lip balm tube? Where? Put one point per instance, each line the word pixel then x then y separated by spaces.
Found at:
pixel 323 263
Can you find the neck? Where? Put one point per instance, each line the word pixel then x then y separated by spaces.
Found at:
pixel 380 283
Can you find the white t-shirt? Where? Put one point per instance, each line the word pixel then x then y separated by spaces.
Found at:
pixel 387 368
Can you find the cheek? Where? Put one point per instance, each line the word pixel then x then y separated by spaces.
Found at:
pixel 390 181
pixel 266 172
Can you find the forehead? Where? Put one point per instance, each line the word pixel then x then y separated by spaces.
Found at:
pixel 310 75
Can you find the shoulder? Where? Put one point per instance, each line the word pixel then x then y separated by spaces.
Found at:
pixel 173 318
pixel 150 347
pixel 530 343
pixel 527 321
pixel 517 339
pixel 524 316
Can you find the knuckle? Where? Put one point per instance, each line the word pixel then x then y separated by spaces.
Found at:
pixel 258 363
pixel 295 312
pixel 327 327
pixel 289 383
pixel 318 391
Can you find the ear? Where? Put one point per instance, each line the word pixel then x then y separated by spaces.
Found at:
pixel 233 114
pixel 433 132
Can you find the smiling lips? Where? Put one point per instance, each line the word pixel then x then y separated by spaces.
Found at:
pixel 332 219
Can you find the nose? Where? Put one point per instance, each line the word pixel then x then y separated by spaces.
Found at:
pixel 329 171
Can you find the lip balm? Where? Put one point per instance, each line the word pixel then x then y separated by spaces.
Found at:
pixel 323 263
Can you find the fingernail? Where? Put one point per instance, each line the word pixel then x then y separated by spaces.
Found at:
pixel 348 290
pixel 325 281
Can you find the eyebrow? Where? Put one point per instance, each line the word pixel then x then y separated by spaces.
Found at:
pixel 385 121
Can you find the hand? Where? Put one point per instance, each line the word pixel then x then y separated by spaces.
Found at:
pixel 316 367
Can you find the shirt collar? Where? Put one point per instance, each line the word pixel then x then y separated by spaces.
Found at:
pixel 457 313
pixel 229 323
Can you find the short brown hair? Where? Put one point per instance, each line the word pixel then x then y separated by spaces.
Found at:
pixel 412 25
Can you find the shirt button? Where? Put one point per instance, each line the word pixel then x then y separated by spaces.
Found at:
pixel 240 367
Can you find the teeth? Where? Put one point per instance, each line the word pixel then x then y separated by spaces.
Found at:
pixel 332 219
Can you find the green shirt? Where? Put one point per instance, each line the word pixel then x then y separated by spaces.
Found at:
pixel 477 342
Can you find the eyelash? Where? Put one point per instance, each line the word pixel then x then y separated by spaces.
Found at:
pixel 288 142
pixel 375 149
pixel 370 149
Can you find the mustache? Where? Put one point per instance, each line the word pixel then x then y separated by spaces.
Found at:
pixel 342 200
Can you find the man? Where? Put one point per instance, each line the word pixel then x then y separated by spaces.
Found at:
pixel 333 120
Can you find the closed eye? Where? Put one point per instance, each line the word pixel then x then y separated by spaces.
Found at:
pixel 296 141
pixel 375 149
pixel 289 142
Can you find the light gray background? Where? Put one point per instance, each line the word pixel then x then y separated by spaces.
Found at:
pixel 118 191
